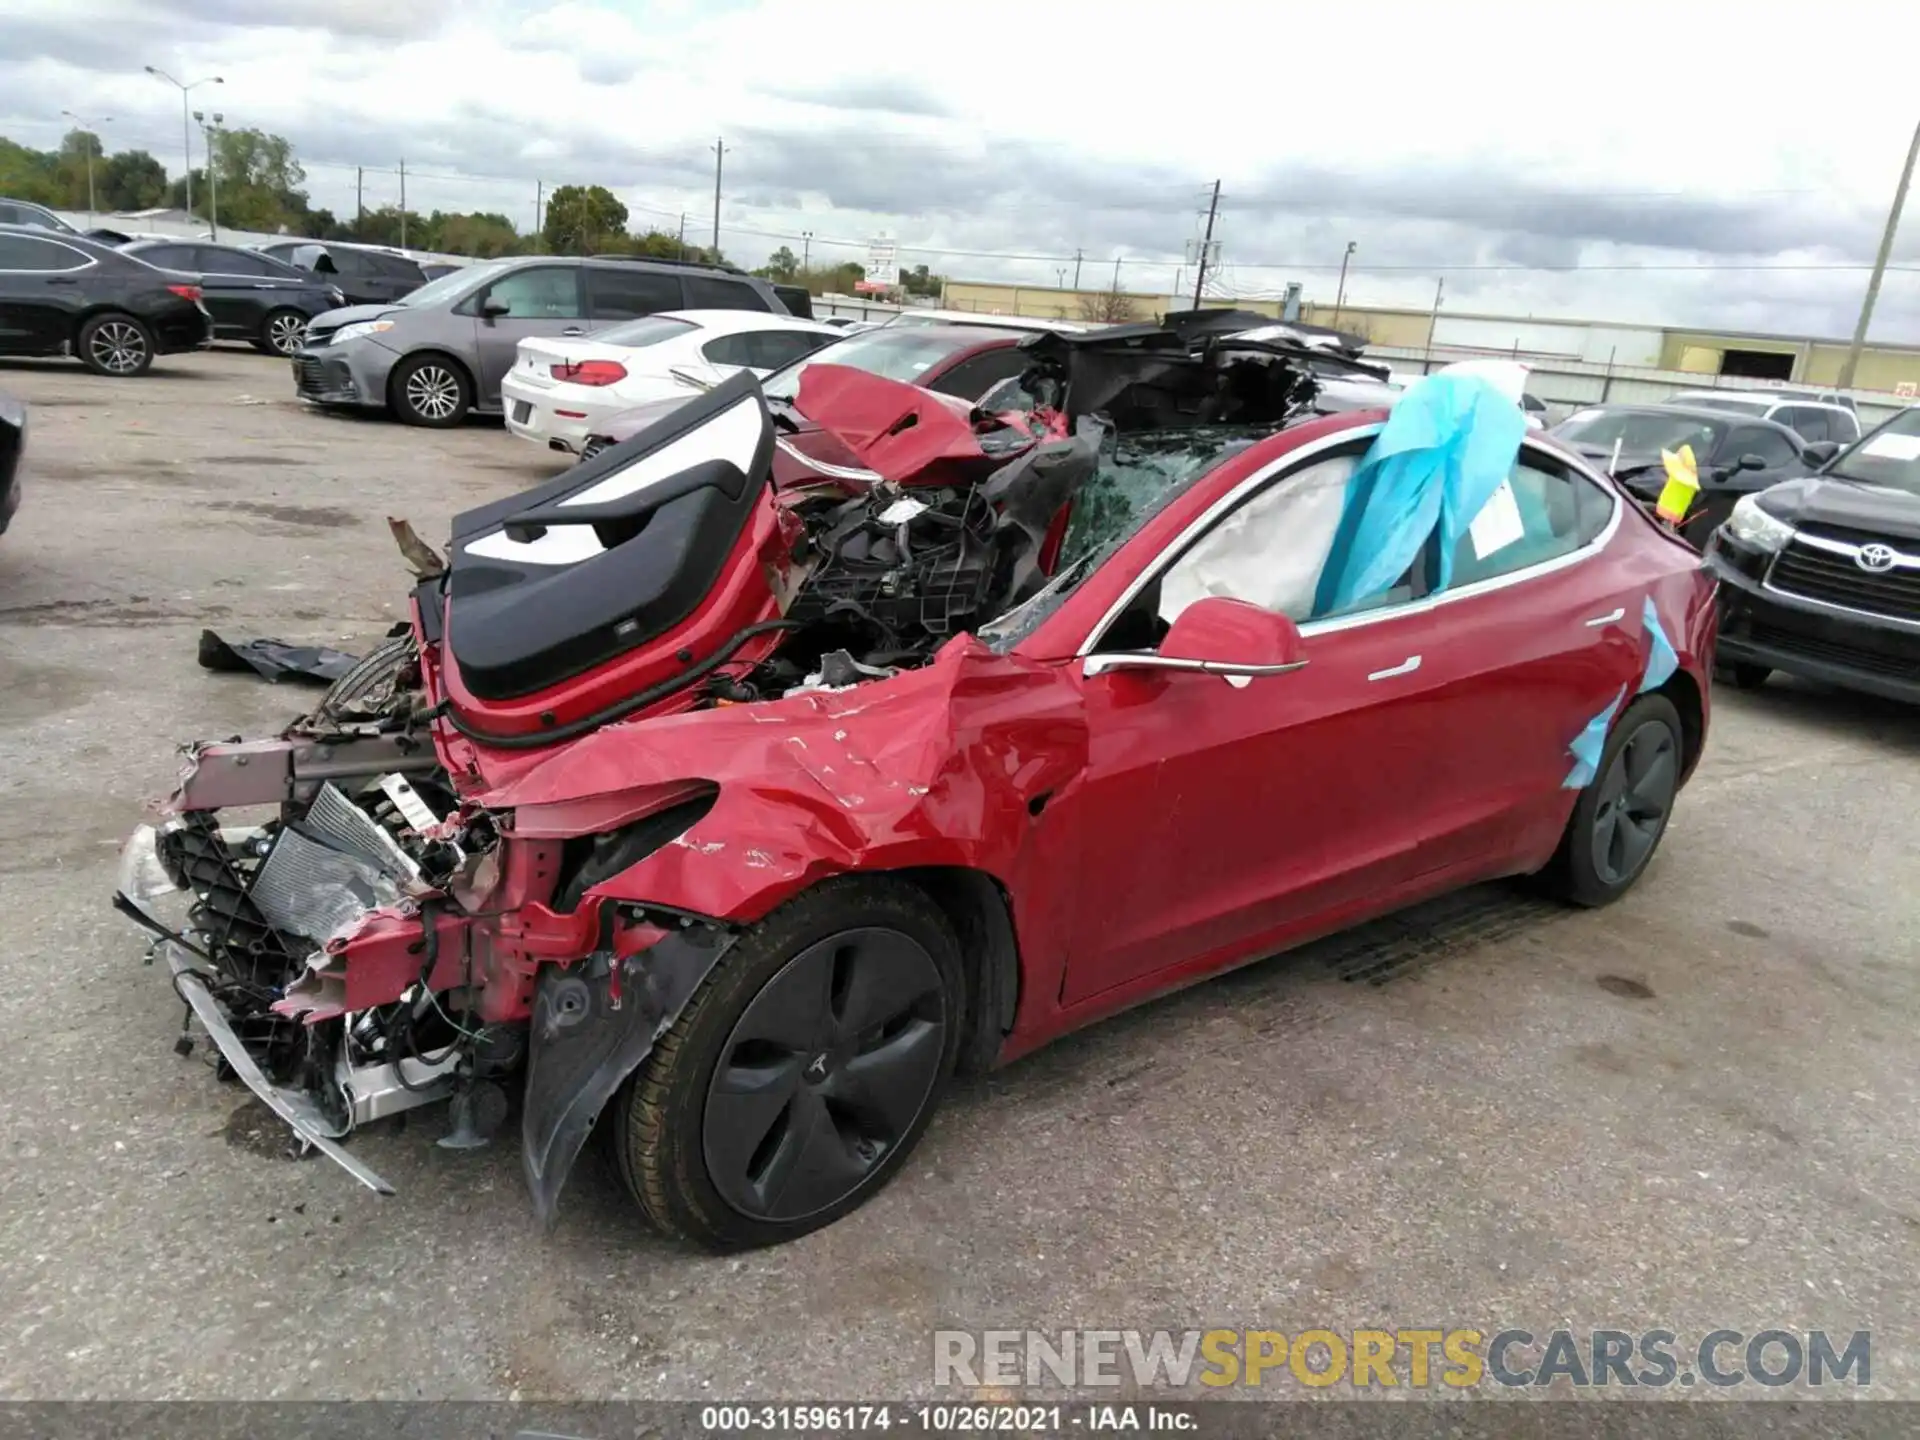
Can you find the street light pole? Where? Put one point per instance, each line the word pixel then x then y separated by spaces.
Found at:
pixel 1340 295
pixel 1852 361
pixel 89 126
pixel 186 121
pixel 211 132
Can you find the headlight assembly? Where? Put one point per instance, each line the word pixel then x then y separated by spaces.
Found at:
pixel 1755 528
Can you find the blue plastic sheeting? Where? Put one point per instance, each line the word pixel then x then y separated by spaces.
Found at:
pixel 1446 447
pixel 1588 744
pixel 1661 661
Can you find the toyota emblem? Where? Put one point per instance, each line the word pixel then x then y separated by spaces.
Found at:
pixel 1876 557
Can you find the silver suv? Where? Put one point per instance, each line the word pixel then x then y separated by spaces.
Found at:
pixel 439 354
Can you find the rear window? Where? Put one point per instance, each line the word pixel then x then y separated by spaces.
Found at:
pixel 637 334
pixel 705 292
pixel 1638 432
pixel 1890 456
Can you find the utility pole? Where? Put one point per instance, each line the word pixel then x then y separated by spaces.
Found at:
pixel 806 251
pixel 1433 320
pixel 539 199
pixel 92 129
pixel 683 234
pixel 1116 274
pixel 1076 269
pixel 719 160
pixel 1206 244
pixel 359 200
pixel 403 204
pixel 1340 295
pixel 1879 265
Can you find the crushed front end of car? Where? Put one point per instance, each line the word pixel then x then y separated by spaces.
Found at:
pixel 501 855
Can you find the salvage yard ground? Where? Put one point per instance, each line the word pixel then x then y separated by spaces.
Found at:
pixel 1698 1109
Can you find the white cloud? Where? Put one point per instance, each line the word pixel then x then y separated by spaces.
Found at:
pixel 1440 139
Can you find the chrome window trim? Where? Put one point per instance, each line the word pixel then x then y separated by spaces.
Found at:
pixel 1298 459
pixel 86 261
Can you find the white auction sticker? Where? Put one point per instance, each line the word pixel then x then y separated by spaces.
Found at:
pixel 1498 524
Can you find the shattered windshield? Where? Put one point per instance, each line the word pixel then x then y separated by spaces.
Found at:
pixel 1139 475
pixel 1890 456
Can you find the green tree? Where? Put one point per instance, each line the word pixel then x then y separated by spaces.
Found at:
pixel 838 280
pixel 918 281
pixel 583 218
pixel 781 265
pixel 383 227
pixel 32 175
pixel 130 180
pixel 480 235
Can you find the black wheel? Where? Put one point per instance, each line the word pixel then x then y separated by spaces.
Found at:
pixel 281 332
pixel 1748 676
pixel 1618 821
pixel 369 686
pixel 114 344
pixel 802 1073
pixel 430 390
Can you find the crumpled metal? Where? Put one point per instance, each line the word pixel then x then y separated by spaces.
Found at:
pixel 936 766
pixel 275 660
pixel 1660 665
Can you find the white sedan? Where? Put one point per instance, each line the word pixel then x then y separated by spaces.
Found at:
pixel 558 388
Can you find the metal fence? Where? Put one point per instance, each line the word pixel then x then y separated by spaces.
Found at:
pixel 1566 385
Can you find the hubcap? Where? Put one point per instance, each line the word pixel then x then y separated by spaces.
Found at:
pixel 434 392
pixel 1635 795
pixel 824 1074
pixel 118 347
pixel 285 333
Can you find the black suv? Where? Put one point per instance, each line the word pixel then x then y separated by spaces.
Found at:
pixel 365 274
pixel 64 294
pixel 1820 576
pixel 252 297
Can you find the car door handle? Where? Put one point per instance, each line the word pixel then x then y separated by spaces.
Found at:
pixel 1607 619
pixel 62 280
pixel 573 330
pixel 1405 667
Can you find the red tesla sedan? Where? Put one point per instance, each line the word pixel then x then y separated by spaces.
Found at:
pixel 744 814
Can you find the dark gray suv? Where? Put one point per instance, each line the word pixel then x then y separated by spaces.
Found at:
pixel 440 353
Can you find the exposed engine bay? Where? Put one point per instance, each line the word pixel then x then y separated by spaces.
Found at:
pixel 427 906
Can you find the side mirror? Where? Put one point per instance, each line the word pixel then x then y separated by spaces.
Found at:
pixel 1820 452
pixel 1750 462
pixel 491 309
pixel 1217 636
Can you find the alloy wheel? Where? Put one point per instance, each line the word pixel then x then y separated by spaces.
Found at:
pixel 1635 797
pixel 433 391
pixel 285 332
pixel 118 347
pixel 824 1074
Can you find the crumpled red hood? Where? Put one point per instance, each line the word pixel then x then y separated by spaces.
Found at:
pixel 897 430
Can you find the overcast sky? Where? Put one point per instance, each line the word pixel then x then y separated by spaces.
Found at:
pixel 1672 163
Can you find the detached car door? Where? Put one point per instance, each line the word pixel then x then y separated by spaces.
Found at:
pixel 539 301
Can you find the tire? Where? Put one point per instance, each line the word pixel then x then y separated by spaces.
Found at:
pixel 114 344
pixel 281 333
pixel 1617 823
pixel 1748 676
pixel 371 679
pixel 699 1176
pixel 430 390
